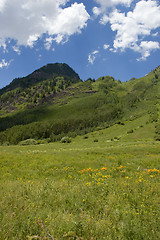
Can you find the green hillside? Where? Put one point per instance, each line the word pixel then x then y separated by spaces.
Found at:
pixel 83 160
pixel 53 102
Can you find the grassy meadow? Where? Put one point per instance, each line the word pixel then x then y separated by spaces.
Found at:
pixel 91 188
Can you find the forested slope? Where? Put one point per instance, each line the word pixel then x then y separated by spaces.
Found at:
pixel 62 104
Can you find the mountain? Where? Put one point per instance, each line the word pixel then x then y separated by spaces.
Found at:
pixel 46 72
pixel 36 88
pixel 55 102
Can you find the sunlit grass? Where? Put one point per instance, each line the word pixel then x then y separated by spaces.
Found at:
pixel 80 190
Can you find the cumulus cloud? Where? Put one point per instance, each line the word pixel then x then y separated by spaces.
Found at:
pixel 27 21
pixel 3 63
pixel 104 5
pixel 92 56
pixel 134 26
pixel 146 47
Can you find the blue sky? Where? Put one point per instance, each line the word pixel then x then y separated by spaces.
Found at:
pixel 120 38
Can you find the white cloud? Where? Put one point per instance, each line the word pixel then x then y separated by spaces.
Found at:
pixel 149 45
pixel 112 50
pixel 3 63
pixel 70 20
pixel 146 47
pixel 104 20
pixel 17 50
pixel 132 28
pixel 48 43
pixel 95 52
pixel 104 5
pixel 105 46
pixel 59 38
pixel 155 34
pixel 112 3
pixel 92 56
pixel 32 39
pixel 3 44
pixel 2 5
pixel 27 21
pixel 96 11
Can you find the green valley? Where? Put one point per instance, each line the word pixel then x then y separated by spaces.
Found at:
pixel 80 160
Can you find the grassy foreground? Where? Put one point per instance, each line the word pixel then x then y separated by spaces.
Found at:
pixel 81 190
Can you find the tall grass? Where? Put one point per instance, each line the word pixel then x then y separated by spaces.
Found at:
pixel 80 190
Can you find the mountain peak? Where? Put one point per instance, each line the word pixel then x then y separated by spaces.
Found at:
pixel 59 69
pixel 50 70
